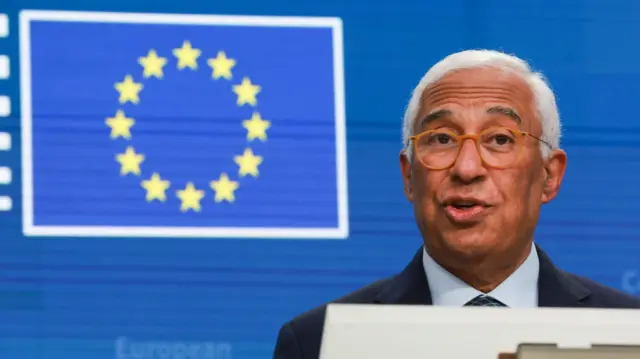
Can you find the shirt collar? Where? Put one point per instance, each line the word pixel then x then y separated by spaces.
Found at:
pixel 520 290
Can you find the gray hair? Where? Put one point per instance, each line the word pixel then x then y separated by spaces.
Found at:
pixel 543 97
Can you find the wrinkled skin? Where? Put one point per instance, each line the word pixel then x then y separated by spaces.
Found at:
pixel 484 252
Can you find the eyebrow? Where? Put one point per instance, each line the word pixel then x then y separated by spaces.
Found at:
pixel 499 110
pixel 505 111
pixel 434 116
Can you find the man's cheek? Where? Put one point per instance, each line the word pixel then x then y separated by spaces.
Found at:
pixel 512 208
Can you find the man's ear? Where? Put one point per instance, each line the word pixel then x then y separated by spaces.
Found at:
pixel 405 169
pixel 555 166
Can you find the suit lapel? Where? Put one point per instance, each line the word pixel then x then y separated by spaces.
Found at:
pixel 408 287
pixel 556 288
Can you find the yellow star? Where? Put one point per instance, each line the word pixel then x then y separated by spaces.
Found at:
pixel 128 90
pixel 152 64
pixel 248 163
pixel 246 92
pixel 256 127
pixel 130 161
pixel 120 125
pixel 187 56
pixel 190 198
pixel 221 66
pixel 224 188
pixel 156 188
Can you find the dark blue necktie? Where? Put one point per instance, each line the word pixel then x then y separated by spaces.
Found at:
pixel 484 301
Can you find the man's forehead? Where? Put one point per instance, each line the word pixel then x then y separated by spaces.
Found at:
pixel 476 82
pixel 490 90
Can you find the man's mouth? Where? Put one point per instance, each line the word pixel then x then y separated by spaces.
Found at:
pixel 465 210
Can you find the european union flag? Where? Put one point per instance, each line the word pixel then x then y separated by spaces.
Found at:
pixel 182 125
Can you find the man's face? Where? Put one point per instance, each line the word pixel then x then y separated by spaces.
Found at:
pixel 470 209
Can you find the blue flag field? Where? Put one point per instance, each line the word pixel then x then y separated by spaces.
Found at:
pixel 153 125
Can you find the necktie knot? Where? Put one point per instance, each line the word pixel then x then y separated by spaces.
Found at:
pixel 484 301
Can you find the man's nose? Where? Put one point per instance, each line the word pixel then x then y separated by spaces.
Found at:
pixel 468 167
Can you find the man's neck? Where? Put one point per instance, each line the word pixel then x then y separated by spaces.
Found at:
pixel 486 273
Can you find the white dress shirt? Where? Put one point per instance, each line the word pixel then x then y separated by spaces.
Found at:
pixel 520 290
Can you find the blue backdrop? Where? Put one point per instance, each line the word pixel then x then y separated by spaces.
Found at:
pixel 184 297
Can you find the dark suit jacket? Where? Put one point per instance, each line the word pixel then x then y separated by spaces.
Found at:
pixel 300 338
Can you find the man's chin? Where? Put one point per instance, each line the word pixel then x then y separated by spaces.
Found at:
pixel 469 245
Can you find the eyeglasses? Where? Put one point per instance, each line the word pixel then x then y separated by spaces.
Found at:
pixel 498 147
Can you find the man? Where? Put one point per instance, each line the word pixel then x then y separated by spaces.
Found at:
pixel 481 156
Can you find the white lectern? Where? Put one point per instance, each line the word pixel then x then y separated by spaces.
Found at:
pixel 429 332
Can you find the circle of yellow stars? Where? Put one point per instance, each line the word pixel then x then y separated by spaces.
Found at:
pixel 130 161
